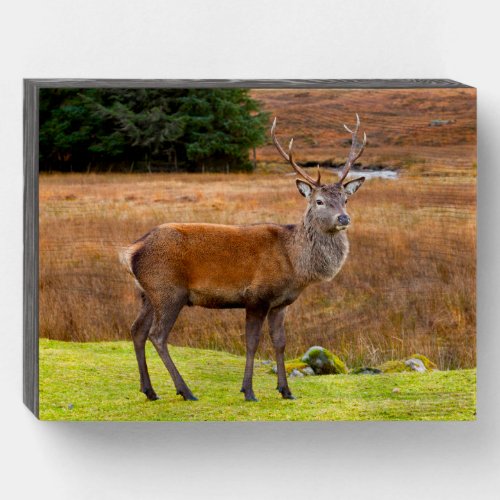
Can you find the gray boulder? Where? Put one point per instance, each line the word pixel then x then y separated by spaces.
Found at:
pixel 416 365
pixel 308 371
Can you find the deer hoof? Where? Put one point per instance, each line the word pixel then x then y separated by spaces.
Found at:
pixel 151 394
pixel 285 393
pixel 187 395
pixel 250 396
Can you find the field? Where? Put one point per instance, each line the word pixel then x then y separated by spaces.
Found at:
pixel 97 381
pixel 408 285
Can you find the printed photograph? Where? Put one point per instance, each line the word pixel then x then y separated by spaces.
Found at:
pixel 233 254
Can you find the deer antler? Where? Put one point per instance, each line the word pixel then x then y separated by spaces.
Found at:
pixel 289 157
pixel 353 154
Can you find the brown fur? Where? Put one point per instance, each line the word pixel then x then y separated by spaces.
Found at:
pixel 219 266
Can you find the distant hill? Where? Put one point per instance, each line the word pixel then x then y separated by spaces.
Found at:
pixel 425 129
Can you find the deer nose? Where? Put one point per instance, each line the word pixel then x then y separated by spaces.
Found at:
pixel 344 220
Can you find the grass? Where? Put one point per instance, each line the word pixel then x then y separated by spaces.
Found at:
pixel 100 381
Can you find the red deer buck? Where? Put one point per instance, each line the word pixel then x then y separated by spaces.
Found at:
pixel 262 268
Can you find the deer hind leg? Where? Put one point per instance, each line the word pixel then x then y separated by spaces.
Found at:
pixel 140 331
pixel 276 320
pixel 164 319
pixel 253 329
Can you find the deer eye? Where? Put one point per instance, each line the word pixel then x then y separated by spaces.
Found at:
pixel 319 202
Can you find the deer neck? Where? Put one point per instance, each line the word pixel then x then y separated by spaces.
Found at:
pixel 319 255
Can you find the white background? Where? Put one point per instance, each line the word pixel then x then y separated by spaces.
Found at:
pixel 256 39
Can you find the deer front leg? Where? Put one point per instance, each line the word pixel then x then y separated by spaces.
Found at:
pixel 253 329
pixel 276 320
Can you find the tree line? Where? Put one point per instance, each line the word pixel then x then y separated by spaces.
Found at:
pixel 149 129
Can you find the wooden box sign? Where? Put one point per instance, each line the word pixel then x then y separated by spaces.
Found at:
pixel 250 250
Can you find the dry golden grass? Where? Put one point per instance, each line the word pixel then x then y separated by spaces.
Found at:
pixel 408 285
pixel 398 124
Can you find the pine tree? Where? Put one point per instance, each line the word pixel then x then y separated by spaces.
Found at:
pixel 223 125
pixel 194 129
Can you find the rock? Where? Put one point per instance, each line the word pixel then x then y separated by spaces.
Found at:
pixel 323 362
pixel 366 371
pixel 308 371
pixel 294 364
pixel 394 366
pixel 291 365
pixel 426 361
pixel 266 362
pixel 396 390
pixel 440 123
pixel 416 365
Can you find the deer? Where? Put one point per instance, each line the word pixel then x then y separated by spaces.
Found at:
pixel 262 268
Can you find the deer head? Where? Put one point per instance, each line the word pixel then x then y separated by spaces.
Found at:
pixel 327 202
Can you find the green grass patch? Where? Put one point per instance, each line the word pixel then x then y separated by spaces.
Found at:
pixel 100 381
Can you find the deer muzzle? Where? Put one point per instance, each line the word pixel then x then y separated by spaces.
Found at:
pixel 343 220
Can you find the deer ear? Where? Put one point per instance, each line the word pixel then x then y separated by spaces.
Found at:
pixel 352 186
pixel 305 189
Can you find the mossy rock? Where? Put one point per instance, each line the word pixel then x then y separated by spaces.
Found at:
pixel 293 364
pixel 323 362
pixel 394 366
pixel 398 366
pixel 426 361
pixel 365 370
